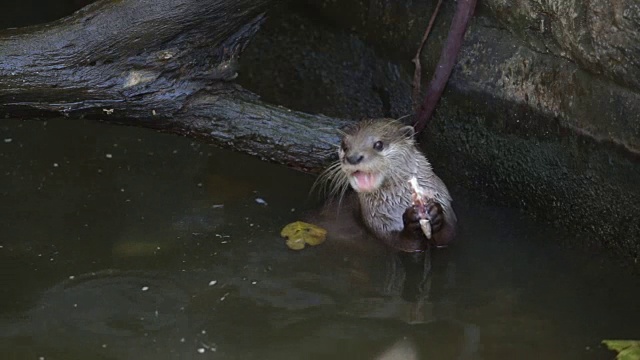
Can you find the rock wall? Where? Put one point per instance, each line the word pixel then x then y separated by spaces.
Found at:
pixel 600 36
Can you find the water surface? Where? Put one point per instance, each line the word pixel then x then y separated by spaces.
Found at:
pixel 124 243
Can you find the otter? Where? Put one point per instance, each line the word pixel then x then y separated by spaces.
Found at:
pixel 376 159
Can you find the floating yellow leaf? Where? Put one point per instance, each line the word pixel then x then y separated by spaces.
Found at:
pixel 627 349
pixel 300 233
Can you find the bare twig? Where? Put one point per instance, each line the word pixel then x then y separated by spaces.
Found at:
pixel 417 73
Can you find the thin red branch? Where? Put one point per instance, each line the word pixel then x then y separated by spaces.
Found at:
pixel 450 51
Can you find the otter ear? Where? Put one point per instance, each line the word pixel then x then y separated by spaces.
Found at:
pixel 407 131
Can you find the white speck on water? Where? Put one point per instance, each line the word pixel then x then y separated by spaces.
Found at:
pixel 261 201
pixel 293 209
pixel 122 190
pixel 224 296
pixel 109 156
pixel 213 282
pixel 157 313
pixel 55 164
pixel 199 184
pixel 75 305
pixel 254 282
pixel 182 340
pixel 104 346
pixel 203 332
pixel 71 277
pixel 201 350
pixel 8 140
pixel 145 288
pixel 41 358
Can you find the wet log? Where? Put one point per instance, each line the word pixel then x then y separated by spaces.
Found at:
pixel 164 64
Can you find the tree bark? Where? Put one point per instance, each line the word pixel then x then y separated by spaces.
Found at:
pixel 162 64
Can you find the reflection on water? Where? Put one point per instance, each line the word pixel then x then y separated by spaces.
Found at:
pixel 122 243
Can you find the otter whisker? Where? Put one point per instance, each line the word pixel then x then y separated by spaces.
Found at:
pixel 405 116
pixel 329 175
pixel 345 187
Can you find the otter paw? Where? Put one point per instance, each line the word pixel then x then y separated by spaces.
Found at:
pixel 435 216
pixel 411 218
pixel 413 214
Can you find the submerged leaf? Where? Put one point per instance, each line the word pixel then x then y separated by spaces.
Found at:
pixel 627 349
pixel 300 233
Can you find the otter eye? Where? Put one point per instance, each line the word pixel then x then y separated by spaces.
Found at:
pixel 378 145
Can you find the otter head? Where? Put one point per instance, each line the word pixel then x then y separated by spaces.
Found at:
pixel 373 152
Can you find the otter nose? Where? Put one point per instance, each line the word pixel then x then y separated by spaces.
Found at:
pixel 355 159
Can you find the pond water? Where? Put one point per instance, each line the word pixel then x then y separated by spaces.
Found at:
pixel 124 243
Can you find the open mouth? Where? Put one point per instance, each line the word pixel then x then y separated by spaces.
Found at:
pixel 365 181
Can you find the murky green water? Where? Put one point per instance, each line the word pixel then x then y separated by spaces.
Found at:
pixel 122 243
